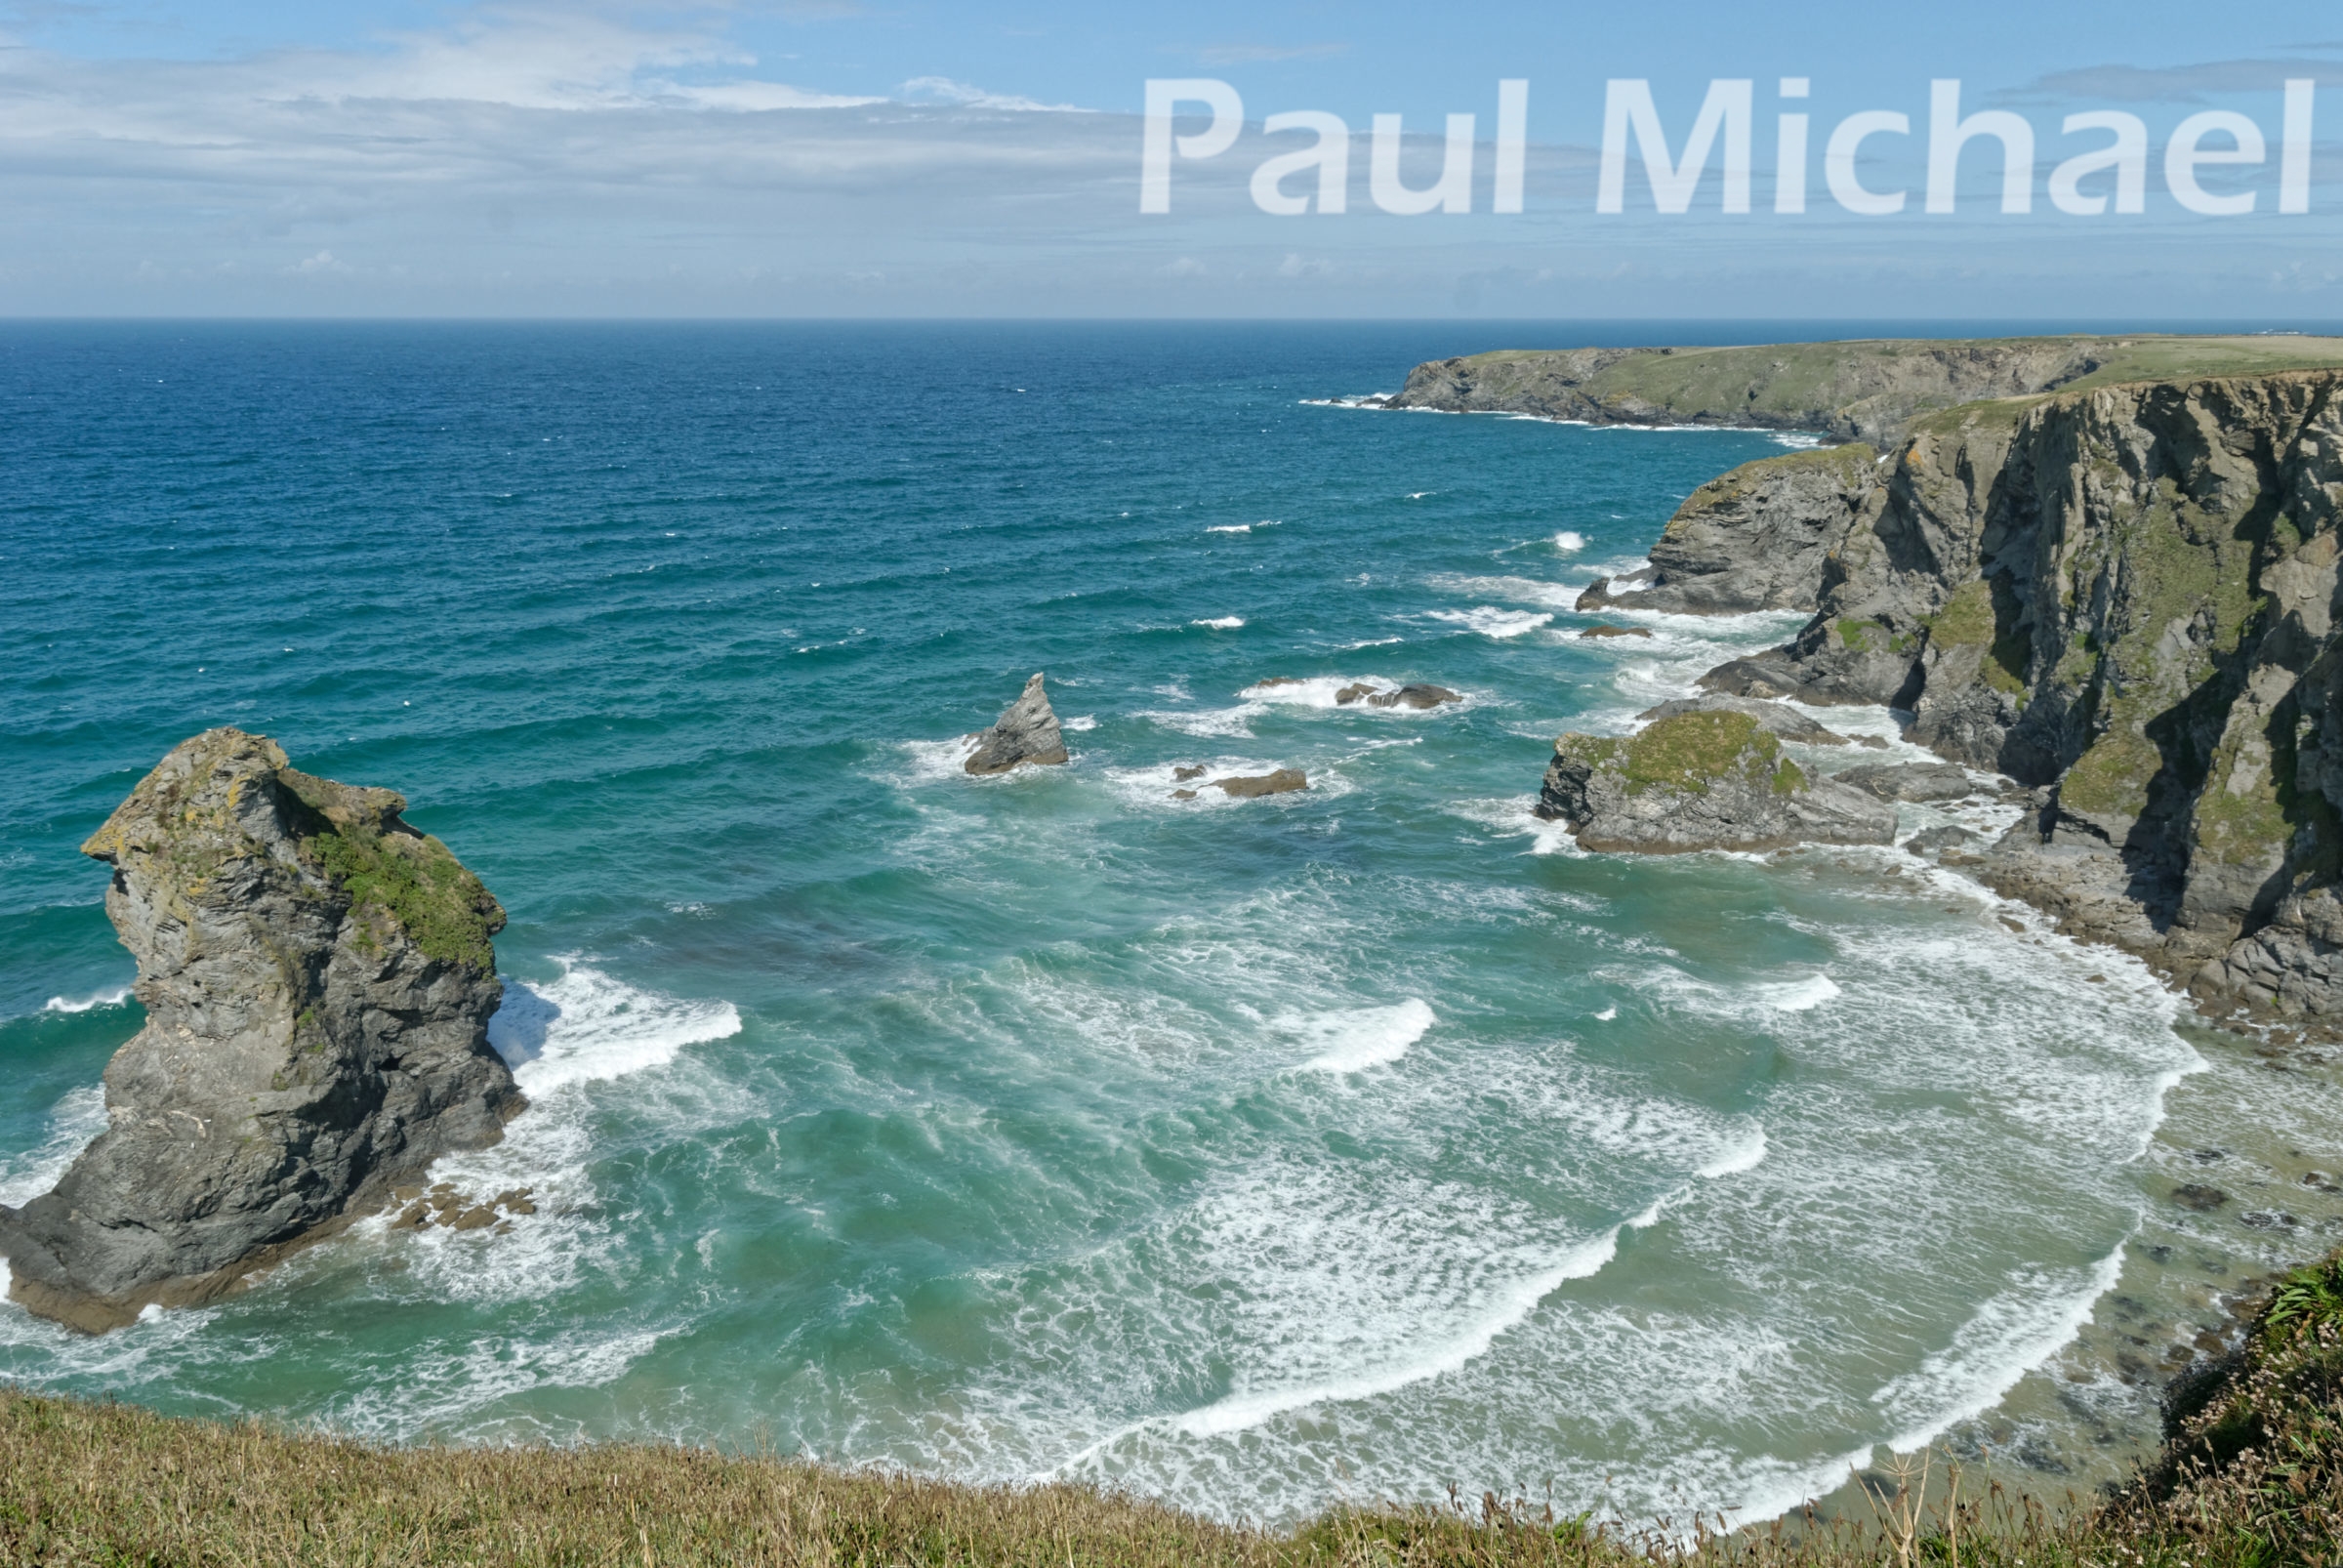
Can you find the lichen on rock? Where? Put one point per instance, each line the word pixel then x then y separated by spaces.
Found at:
pixel 318 979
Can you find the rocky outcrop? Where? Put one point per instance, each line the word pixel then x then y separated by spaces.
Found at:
pixel 318 979
pixel 1701 780
pixel 1753 540
pixel 1869 390
pixel 2125 597
pixel 1252 786
pixel 1604 629
pixel 1418 697
pixel 1911 781
pixel 1026 735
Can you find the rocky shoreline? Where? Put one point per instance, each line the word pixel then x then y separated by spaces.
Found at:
pixel 2121 597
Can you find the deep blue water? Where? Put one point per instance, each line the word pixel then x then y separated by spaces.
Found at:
pixel 1255 1153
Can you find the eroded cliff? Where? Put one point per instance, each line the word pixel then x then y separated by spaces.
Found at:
pixel 2127 596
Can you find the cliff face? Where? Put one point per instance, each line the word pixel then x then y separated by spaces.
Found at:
pixel 319 980
pixel 2127 595
pixel 1862 390
pixel 1753 540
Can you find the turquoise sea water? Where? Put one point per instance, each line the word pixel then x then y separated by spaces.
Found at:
pixel 1251 1153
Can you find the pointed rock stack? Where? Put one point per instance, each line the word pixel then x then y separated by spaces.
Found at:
pixel 1027 734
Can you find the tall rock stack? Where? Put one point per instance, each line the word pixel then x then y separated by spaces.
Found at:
pixel 318 979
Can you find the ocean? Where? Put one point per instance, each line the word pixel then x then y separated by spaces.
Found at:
pixel 1255 1154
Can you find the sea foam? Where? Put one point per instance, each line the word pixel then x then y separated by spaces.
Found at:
pixel 111 996
pixel 1492 622
pixel 1367 1037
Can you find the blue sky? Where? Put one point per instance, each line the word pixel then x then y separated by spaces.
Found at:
pixel 857 157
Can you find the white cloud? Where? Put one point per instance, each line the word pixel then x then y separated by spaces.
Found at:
pixel 944 89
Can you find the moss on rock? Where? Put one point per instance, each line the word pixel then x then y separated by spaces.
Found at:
pixel 420 883
pixel 1692 751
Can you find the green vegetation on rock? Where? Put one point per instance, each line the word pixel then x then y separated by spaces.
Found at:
pixel 2242 812
pixel 1969 619
pixel 1690 751
pixel 441 905
pixel 2110 780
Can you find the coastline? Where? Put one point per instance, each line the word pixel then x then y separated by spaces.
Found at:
pixel 1415 798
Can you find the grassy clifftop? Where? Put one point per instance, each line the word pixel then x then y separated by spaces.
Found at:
pixel 1858 390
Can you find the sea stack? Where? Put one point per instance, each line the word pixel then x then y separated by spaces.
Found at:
pixel 1027 733
pixel 318 979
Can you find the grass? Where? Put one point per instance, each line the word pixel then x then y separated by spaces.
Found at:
pixel 2251 1477
pixel 1692 749
pixel 439 903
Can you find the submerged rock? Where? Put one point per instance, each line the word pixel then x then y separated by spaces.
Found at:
pixel 1946 840
pixel 1027 733
pixel 1417 696
pixel 1701 780
pixel 1409 696
pixel 1284 780
pixel 318 979
pixel 1605 628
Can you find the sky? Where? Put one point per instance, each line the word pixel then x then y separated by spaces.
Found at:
pixel 911 158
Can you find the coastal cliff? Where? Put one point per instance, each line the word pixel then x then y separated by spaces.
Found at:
pixel 2124 595
pixel 1864 390
pixel 318 979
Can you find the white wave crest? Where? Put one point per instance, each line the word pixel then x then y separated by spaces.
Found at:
pixel 1798 995
pixel 1236 1412
pixel 1221 623
pixel 112 996
pixel 1517 813
pixel 77 1116
pixel 586 1026
pixel 1231 722
pixel 1747 1156
pixel 2014 1331
pixel 1492 622
pixel 1366 1037
pixel 1570 542
pixel 1518 590
pixel 563 1038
